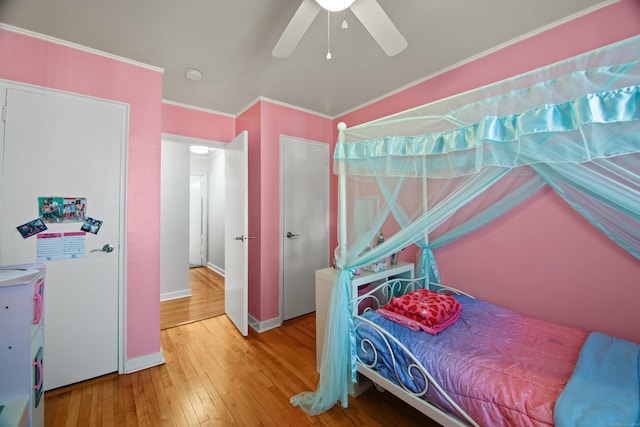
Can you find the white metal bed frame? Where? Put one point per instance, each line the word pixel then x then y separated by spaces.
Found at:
pixel 376 298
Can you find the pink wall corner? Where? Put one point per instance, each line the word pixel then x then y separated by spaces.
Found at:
pixel 185 121
pixel 542 258
pixel 250 121
pixel 34 61
pixel 279 120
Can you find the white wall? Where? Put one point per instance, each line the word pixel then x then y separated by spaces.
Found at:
pixel 174 221
pixel 216 193
pixel 199 165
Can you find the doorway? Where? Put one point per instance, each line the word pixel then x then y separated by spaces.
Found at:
pixel 304 222
pixel 192 195
pixel 206 300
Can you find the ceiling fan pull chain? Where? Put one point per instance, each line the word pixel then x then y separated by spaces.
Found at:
pixel 345 24
pixel 328 35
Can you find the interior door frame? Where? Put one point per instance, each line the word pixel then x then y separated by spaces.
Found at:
pixel 282 225
pixel 122 211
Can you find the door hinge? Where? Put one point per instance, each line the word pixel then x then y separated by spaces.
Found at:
pixel 4 113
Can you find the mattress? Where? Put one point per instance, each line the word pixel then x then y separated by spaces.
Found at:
pixel 501 367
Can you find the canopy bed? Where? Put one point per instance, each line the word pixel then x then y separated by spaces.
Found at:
pixel 435 173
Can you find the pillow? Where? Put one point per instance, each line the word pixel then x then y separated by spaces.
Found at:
pixel 433 310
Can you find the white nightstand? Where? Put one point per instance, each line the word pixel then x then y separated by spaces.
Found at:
pixel 324 285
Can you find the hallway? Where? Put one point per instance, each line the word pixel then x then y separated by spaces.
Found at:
pixel 206 301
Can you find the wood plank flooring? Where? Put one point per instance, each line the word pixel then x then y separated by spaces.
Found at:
pixel 215 377
pixel 207 300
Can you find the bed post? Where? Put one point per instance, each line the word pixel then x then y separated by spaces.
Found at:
pixel 425 207
pixel 342 198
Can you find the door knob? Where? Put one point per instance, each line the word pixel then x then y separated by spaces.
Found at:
pixel 108 248
pixel 243 238
pixel 290 234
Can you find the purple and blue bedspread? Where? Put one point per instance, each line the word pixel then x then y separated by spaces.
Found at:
pixel 501 367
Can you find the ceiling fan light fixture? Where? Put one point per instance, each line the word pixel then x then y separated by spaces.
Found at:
pixel 369 12
pixel 335 5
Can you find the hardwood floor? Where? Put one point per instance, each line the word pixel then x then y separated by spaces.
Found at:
pixel 215 377
pixel 207 300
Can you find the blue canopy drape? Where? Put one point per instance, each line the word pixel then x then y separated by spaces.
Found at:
pixel 435 173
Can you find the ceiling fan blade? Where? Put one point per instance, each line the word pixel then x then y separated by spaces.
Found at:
pixel 380 26
pixel 296 28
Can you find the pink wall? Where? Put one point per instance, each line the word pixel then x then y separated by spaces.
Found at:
pixel 549 228
pixel 184 121
pixel 33 61
pixel 272 120
pixel 542 258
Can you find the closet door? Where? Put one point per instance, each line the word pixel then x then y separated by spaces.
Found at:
pixel 305 222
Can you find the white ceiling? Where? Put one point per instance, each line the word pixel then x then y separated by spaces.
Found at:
pixel 230 41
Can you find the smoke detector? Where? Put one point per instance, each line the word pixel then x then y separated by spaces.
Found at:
pixel 193 74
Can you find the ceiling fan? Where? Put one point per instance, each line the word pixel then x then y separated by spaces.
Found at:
pixel 368 12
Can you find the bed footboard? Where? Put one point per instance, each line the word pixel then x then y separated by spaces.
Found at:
pixel 392 366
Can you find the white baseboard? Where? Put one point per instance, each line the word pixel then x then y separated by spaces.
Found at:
pixel 143 362
pixel 264 326
pixel 167 296
pixel 215 268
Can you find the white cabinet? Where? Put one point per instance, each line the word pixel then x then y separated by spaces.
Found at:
pixel 324 285
pixel 21 345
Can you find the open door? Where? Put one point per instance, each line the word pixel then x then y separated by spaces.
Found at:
pixel 236 247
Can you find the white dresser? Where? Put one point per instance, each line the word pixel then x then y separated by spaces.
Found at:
pixel 324 285
pixel 22 345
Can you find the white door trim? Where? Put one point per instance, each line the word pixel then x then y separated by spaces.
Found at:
pixel 122 235
pixel 191 140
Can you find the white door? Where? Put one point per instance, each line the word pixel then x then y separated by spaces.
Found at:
pixel 196 225
pixel 305 222
pixel 236 247
pixel 63 145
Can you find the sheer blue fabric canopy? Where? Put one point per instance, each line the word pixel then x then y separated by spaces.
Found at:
pixel 433 174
